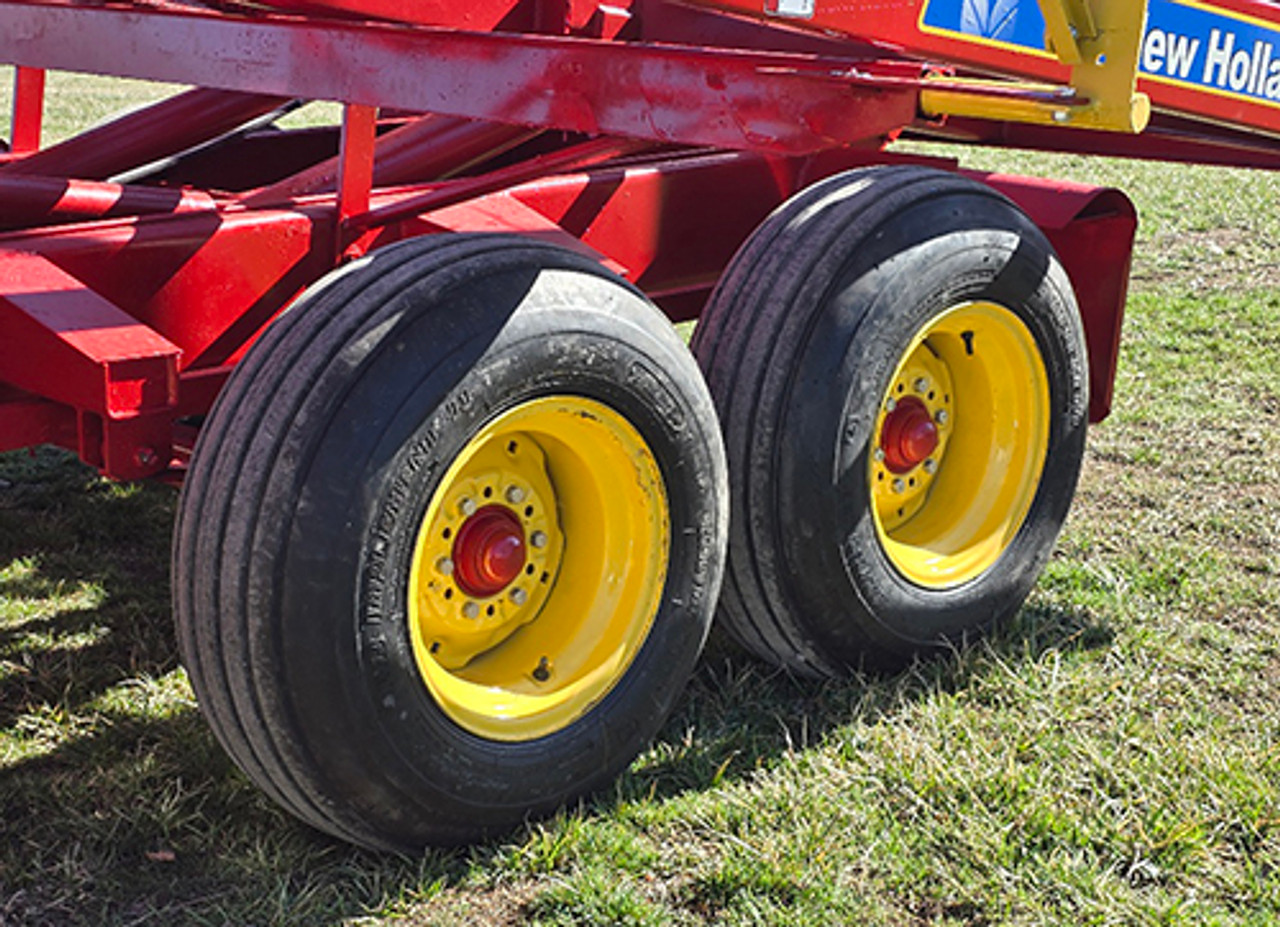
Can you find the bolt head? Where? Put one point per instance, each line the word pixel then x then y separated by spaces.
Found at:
pixel 467 506
pixel 878 454
pixel 538 539
pixel 921 385
pixel 890 404
pixel 941 416
pixel 515 495
pixel 445 566
pixel 899 485
pixel 471 610
pixel 930 465
pixel 519 596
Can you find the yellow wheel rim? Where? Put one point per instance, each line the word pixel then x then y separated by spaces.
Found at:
pixel 538 568
pixel 959 445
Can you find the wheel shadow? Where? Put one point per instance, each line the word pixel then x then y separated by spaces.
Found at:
pixel 739 714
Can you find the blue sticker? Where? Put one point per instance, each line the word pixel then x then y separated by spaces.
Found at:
pixel 1007 22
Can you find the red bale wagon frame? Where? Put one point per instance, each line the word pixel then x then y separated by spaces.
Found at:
pixel 458 503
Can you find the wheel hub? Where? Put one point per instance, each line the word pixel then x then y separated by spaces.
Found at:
pixel 489 552
pixel 908 436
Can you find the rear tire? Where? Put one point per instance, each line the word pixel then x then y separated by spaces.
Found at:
pixel 502 405
pixel 853 293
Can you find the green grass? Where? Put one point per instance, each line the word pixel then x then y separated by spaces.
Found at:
pixel 1112 757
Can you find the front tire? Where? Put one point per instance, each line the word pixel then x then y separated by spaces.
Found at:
pixel 899 367
pixel 451 540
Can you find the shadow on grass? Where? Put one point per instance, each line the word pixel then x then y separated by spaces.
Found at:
pixel 117 806
pixel 739 714
pixel 84 600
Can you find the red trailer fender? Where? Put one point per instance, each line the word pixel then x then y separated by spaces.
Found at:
pixel 1092 229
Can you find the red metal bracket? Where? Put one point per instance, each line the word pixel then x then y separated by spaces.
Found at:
pixel 66 343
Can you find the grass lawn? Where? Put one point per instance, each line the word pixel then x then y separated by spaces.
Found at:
pixel 1112 757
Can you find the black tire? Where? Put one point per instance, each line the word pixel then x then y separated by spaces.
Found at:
pixel 307 490
pixel 799 345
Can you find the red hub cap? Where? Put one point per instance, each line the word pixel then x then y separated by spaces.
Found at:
pixel 488 552
pixel 908 436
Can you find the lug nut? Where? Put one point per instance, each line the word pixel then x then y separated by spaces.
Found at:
pixel 899 485
pixel 445 566
pixel 467 506
pixel 921 385
pixel 890 404
pixel 538 539
pixel 879 455
pixel 930 465
pixel 471 610
pixel 515 495
pixel 941 416
pixel 519 596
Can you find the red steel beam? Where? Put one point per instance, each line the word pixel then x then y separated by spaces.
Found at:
pixel 355 166
pixel 146 135
pixel 67 343
pixel 205 281
pixel 728 99
pixel 473 15
pixel 28 110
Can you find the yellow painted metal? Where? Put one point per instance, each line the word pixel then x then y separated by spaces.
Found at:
pixel 985 385
pixel 523 664
pixel 1100 41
